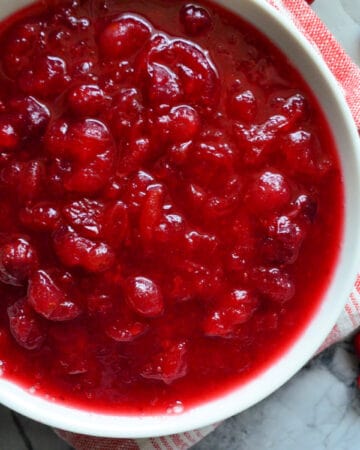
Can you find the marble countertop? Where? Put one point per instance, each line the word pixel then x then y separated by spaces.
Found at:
pixel 318 409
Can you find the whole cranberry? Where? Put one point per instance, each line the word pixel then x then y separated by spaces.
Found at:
pixel 269 191
pixel 123 37
pixel 17 260
pixel 86 99
pixel 144 296
pixel 195 19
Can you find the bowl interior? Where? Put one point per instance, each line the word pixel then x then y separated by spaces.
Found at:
pixel 283 33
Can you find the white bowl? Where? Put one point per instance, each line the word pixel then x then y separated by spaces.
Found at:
pixel 284 34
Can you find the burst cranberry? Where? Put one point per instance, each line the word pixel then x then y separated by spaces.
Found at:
pixel 233 309
pixel 86 216
pixel 242 106
pixel 195 19
pixel 32 115
pixel 169 365
pixel 123 37
pixel 25 326
pixel 151 211
pixel 50 300
pixel 81 140
pixel 163 86
pixel 274 283
pixel 126 112
pixel 74 250
pixel 182 124
pixel 298 148
pixel 305 207
pixel 116 223
pixel 144 296
pixel 19 47
pixel 46 78
pixel 122 330
pixel 258 139
pixel 90 177
pixel 284 239
pixel 294 108
pixel 42 216
pixel 17 260
pixel 24 178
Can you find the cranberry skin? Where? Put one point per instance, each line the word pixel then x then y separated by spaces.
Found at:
pixel 171 231
pixel 169 365
pixel 268 192
pixel 144 296
pixel 151 212
pixel 25 326
pixel 242 106
pixel 9 138
pixel 47 78
pixel 233 309
pixel 19 47
pixel 195 19
pixel 284 241
pixel 294 108
pixel 80 140
pixel 198 79
pixel 32 116
pixel 299 151
pixel 202 86
pixel 24 178
pixel 274 283
pixel 91 177
pixel 99 304
pixel 86 100
pixel 181 125
pixel 17 260
pixel 163 87
pixel 42 216
pixel 49 300
pixel 76 251
pixel 126 111
pixel 258 140
pixel 116 223
pixel 122 330
pixel 86 216
pixel 305 208
pixel 123 37
pixel 88 145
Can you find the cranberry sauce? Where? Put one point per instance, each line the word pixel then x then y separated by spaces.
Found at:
pixel 171 203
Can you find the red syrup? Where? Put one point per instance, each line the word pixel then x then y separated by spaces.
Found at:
pixel 171 203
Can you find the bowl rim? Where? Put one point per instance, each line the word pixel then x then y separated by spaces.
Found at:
pixel 288 38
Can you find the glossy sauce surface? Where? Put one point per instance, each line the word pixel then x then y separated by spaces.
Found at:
pixel 171 203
